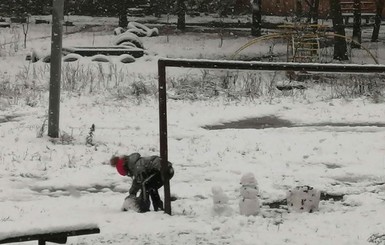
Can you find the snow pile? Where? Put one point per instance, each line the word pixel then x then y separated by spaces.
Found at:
pixel 303 199
pixel 249 203
pixel 221 202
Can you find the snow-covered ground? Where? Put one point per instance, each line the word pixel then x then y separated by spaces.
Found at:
pixel 53 184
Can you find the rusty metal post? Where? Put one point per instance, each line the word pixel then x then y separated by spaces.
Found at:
pixel 163 135
pixel 55 72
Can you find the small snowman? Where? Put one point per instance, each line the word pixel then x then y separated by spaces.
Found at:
pixel 303 199
pixel 220 201
pixel 249 203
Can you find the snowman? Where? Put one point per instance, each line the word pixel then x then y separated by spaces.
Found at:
pixel 249 203
pixel 220 201
pixel 303 199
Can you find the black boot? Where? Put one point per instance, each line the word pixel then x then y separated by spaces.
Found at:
pixel 156 201
pixel 143 203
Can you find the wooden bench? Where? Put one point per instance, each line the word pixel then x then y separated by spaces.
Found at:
pixel 112 50
pixel 59 237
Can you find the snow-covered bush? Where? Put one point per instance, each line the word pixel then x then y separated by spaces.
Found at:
pixel 303 199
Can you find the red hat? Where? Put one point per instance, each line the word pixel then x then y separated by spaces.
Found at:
pixel 120 167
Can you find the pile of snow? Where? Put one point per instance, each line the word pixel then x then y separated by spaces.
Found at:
pixel 303 199
pixel 249 203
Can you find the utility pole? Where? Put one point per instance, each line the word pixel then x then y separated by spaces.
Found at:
pixel 55 72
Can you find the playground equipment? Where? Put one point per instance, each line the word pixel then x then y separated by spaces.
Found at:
pixel 304 42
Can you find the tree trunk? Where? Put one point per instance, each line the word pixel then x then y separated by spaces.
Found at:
pixel 256 22
pixel 340 48
pixel 356 24
pixel 181 10
pixel 298 13
pixel 122 13
pixel 315 9
pixel 377 22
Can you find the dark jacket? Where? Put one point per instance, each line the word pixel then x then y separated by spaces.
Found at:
pixel 140 168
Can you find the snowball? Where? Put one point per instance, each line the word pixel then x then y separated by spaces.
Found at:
pixel 222 210
pixel 303 199
pixel 130 204
pixel 249 207
pixel 219 197
pixel 130 37
pixel 220 201
pixel 249 192
pixel 249 179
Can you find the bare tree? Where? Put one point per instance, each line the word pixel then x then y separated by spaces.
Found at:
pixel 340 47
pixel 181 10
pixel 256 22
pixel 314 8
pixel 356 24
pixel 377 22
pixel 25 29
pixel 122 8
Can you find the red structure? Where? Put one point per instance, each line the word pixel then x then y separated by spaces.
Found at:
pixel 289 7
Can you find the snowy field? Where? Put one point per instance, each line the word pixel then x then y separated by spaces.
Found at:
pixel 337 146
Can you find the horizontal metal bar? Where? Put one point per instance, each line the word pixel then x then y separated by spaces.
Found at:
pixel 271 66
pixel 50 236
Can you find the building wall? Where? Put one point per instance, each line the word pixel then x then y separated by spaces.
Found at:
pixel 287 8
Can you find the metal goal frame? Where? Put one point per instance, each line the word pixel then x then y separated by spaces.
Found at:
pixel 163 63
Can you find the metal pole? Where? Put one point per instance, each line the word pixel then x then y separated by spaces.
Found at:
pixel 163 135
pixel 55 72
